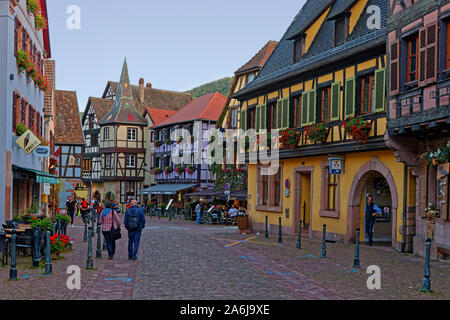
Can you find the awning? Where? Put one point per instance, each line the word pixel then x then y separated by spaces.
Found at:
pixel 41 177
pixel 168 189
pixel 238 195
pixel 204 193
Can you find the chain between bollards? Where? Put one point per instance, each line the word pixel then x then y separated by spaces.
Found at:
pixel 323 254
pixel 13 271
pixel 48 254
pixel 356 263
pixel 280 232
pixel 90 262
pixel 299 240
pixel 426 283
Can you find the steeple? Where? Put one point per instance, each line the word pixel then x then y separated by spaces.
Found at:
pixel 123 110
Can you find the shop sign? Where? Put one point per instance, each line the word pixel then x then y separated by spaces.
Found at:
pixel 28 142
pixel 42 151
pixel 46 188
pixel 336 165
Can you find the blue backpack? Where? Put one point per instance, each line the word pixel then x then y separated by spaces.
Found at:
pixel 133 221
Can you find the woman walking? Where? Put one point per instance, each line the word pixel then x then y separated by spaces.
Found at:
pixel 109 219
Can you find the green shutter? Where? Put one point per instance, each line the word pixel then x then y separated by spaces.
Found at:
pixel 279 114
pixel 285 120
pixel 312 106
pixel 380 90
pixel 264 117
pixel 350 94
pixel 258 118
pixel 244 120
pixel 335 101
pixel 305 104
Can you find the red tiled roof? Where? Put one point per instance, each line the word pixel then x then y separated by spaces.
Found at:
pixel 158 115
pixel 101 106
pixel 67 118
pixel 260 58
pixel 207 107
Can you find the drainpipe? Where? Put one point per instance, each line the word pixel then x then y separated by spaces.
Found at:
pixel 405 194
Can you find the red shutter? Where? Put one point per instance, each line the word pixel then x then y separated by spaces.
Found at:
pixel 422 55
pixel 432 53
pixel 395 67
pixel 16 36
pixel 14 112
pixel 428 54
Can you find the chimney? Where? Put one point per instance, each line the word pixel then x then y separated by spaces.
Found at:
pixel 148 85
pixel 141 90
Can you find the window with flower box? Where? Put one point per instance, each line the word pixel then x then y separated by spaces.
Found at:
pixel 268 190
pixel 297 107
pixel 367 94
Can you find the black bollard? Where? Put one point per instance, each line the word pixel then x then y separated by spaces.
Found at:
pixel 93 218
pixel 267 228
pixel 356 264
pixel 90 262
pixel 299 240
pixel 48 254
pixel 13 271
pixel 323 254
pixel 99 242
pixel 280 233
pixel 426 283
pixel 85 230
pixel 36 247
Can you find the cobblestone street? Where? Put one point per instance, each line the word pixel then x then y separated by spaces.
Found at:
pixel 179 260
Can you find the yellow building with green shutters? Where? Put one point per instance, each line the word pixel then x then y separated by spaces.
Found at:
pixel 330 65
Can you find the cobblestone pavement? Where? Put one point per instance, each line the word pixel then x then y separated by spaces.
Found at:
pixel 179 260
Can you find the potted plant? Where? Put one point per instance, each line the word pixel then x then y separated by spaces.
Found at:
pixel 33 7
pixel 357 128
pixel 317 132
pixel 179 169
pixel 59 244
pixel 289 139
pixel 156 171
pixel 158 143
pixel 40 22
pixel 180 140
pixel 190 169
pixel 437 156
pixel 168 141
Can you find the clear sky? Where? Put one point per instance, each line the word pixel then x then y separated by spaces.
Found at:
pixel 173 44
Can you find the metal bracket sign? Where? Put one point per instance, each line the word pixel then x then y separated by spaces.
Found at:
pixel 227 188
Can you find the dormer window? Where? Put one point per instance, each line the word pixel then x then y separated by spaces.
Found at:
pixel 299 49
pixel 341 30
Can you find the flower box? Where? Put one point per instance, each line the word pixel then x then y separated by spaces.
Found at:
pixel 318 132
pixel 357 128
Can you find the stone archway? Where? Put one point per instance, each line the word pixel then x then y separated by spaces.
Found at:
pixel 359 182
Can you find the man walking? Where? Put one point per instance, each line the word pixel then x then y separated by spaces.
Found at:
pixel 371 212
pixel 199 211
pixel 70 209
pixel 134 222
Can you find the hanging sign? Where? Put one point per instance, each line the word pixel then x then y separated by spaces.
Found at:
pixel 42 151
pixel 28 142
pixel 287 186
pixel 227 188
pixel 46 188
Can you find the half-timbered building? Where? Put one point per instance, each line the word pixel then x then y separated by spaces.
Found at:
pixel 419 115
pixel 329 65
pixel 122 145
pixel 69 141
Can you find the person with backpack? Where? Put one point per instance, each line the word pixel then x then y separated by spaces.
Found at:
pixel 110 222
pixel 134 222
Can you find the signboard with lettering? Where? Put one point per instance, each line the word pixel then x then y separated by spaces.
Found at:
pixel 42 151
pixel 46 188
pixel 28 142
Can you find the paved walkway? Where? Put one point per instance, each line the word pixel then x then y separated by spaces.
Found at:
pixel 179 260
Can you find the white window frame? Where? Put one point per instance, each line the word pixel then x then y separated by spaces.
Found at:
pixel 128 161
pixel 130 132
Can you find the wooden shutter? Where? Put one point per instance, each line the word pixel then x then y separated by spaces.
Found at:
pixel 350 95
pixel 244 120
pixel 305 103
pixel 280 114
pixel 380 90
pixel 432 53
pixel 395 67
pixel 14 112
pixel 312 106
pixel 263 117
pixel 335 101
pixel 258 119
pixel 422 55
pixel 286 113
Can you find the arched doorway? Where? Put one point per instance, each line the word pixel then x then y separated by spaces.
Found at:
pixel 374 178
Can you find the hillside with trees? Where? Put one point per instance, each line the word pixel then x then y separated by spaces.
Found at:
pixel 221 85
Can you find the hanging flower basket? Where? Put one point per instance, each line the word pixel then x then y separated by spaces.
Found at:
pixel 168 170
pixel 156 171
pixel 33 7
pixel 289 139
pixel 25 65
pixel 357 128
pixel 438 156
pixel 158 143
pixel 190 169
pixel 179 169
pixel 40 22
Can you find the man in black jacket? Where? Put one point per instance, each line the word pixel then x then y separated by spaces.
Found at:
pixel 370 214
